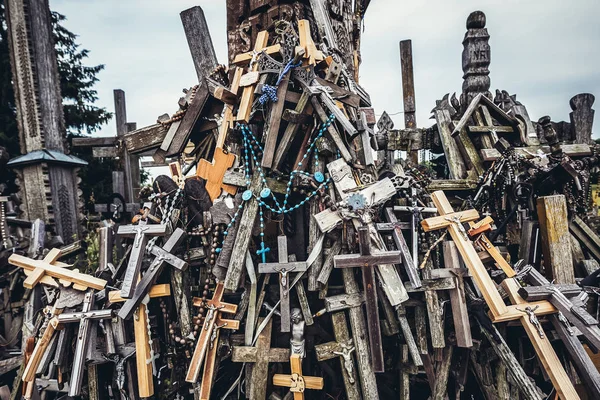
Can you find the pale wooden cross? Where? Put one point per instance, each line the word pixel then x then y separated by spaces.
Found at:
pixel 296 381
pixel 208 374
pixel 141 234
pixel 311 53
pixel 214 172
pixel 213 307
pixel 245 107
pixel 366 260
pixel 478 230
pixel 45 270
pixel 163 257
pixel 283 268
pixel 143 353
pixel 260 355
pixel 342 347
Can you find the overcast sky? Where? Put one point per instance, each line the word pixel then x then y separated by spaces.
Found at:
pixel 545 51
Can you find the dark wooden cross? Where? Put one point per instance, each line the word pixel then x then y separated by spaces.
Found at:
pixel 283 268
pixel 297 382
pixel 213 307
pixel 366 260
pixel 141 234
pixel 260 355
pixel 163 257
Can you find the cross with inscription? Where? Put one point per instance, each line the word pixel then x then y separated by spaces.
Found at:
pixel 141 234
pixel 296 381
pixel 143 353
pixel 283 268
pixel 213 307
pixel 366 260
pixel 162 256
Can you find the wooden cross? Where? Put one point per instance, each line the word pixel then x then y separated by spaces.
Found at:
pixel 260 355
pixel 296 381
pixel 307 44
pixel 214 307
pixel 478 230
pixel 245 107
pixel 453 222
pixel 143 357
pixel 342 348
pixel 283 268
pixel 366 260
pixel 211 356
pixel 163 257
pixel 141 234
pixel 214 172
pixel 228 121
pixel 414 220
pixel 45 270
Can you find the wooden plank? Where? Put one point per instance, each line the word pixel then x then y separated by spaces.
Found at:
pixel 333 133
pixel 572 150
pixel 274 123
pixel 456 164
pixel 587 236
pixel 199 41
pixel 556 239
pixel 245 107
pixel 408 91
pixel 94 141
pixel 290 131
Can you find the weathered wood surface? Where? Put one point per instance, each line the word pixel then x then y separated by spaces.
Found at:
pixel 199 41
pixel 460 315
pixel 572 150
pixel 556 240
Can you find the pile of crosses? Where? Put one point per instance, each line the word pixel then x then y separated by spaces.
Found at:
pixel 289 253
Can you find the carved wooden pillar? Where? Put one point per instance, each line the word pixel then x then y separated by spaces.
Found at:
pixel 47 176
pixel 476 58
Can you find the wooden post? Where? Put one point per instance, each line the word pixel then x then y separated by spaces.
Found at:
pixel 556 240
pixel 199 41
pixel 408 91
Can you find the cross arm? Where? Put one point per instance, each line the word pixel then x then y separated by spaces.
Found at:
pixel 376 258
pixel 443 221
pixel 78 316
pixel 151 229
pixel 161 290
pixel 268 268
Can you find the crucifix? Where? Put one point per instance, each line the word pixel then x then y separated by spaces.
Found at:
pixel 453 221
pixel 296 381
pixel 214 172
pixel 414 220
pixel 144 354
pixel 283 268
pixel 163 256
pixel 342 347
pixel 366 260
pixel 141 234
pixel 214 307
pixel 260 355
pixel 45 270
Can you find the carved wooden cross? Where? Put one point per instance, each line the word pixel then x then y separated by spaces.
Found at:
pixel 245 107
pixel 260 355
pixel 143 353
pixel 296 381
pixel 283 268
pixel 163 256
pixel 366 260
pixel 141 234
pixel 213 307
pixel 214 172
pixel 45 270
pixel 342 348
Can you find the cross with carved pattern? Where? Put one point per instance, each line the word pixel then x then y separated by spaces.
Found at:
pixel 141 234
pixel 283 268
pixel 214 172
pixel 163 257
pixel 296 381
pixel 260 355
pixel 213 307
pixel 366 260
pixel 211 355
pixel 143 357
pixel 245 107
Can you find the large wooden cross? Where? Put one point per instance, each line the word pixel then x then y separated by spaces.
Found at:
pixel 45 270
pixel 366 260
pixel 296 381
pixel 283 268
pixel 143 357
pixel 260 355
pixel 141 234
pixel 214 172
pixel 214 307
pixel 163 257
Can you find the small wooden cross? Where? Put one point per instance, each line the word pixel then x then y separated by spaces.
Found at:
pixel 366 260
pixel 283 268
pixel 213 307
pixel 144 361
pixel 214 172
pixel 211 356
pixel 296 381
pixel 261 355
pixel 141 234
pixel 162 257
pixel 44 270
